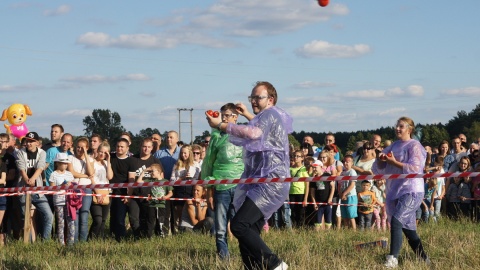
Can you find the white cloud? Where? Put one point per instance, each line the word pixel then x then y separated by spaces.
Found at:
pixel 106 79
pixel 311 84
pixel 209 26
pixel 293 100
pixel 77 112
pixel 306 111
pixel 410 91
pixel 466 92
pixel 151 41
pixel 364 94
pixel 61 10
pixel 324 49
pixel 21 87
pixel 392 112
pixel 268 17
pixel 159 22
pixel 396 92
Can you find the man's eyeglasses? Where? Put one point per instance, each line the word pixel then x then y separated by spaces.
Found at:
pixel 207 142
pixel 256 98
pixel 227 115
pixel 196 153
pixel 298 156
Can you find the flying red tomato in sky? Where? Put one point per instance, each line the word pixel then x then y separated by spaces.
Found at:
pixel 323 3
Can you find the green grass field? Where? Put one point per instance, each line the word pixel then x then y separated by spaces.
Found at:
pixel 451 245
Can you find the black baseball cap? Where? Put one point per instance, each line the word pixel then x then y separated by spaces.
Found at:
pixel 32 136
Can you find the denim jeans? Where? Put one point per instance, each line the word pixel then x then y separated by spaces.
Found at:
pixel 396 236
pixel 281 217
pixel 246 227
pixel 426 213
pixel 365 220
pixel 42 206
pixel 81 223
pixel 224 212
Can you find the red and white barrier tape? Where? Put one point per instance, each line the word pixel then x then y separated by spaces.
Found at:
pixel 245 181
pixel 167 199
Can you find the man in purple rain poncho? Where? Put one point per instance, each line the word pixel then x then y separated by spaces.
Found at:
pixel 265 141
pixel 403 196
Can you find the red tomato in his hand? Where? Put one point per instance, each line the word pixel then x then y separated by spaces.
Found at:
pixel 216 114
pixel 210 112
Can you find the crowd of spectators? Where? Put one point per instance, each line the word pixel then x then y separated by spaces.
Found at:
pixel 168 210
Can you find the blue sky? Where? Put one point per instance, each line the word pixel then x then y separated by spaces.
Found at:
pixel 354 65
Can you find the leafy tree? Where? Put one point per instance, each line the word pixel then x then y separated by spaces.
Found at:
pixel 351 143
pixel 293 141
pixel 433 134
pixel 458 123
pixel 473 132
pixel 105 123
pixel 147 133
pixel 199 139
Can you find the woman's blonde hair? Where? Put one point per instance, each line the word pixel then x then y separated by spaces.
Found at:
pixel 185 163
pixel 410 123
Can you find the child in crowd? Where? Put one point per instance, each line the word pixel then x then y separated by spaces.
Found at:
pixel 298 190
pixel 184 169
pixel 366 201
pixel 157 200
pixel 429 197
pixel 379 211
pixel 348 194
pixel 322 192
pixel 61 176
pixel 194 214
pixel 457 194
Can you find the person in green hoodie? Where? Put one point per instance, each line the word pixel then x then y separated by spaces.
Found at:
pixel 223 160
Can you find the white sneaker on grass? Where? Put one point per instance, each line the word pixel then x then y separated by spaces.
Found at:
pixel 281 266
pixel 391 262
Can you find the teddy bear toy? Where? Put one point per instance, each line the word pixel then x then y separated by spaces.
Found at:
pixel 16 115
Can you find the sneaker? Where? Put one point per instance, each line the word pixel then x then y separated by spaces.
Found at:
pixel 281 266
pixel 391 262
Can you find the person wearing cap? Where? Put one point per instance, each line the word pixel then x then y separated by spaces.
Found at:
pixel 61 176
pixel 322 192
pixel 31 163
